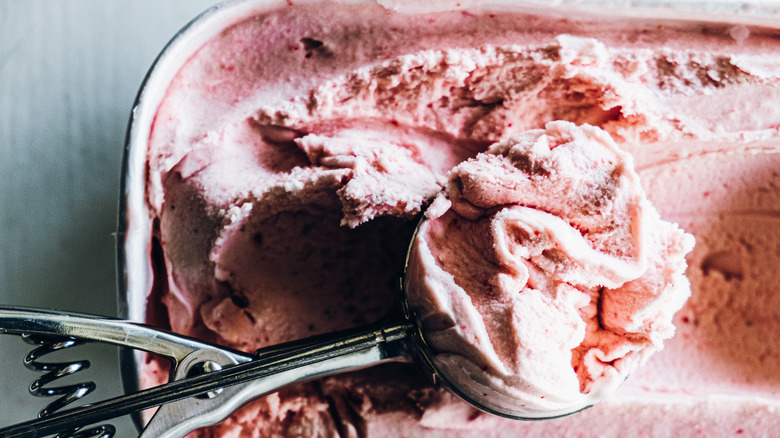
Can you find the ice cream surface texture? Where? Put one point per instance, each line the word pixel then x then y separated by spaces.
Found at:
pixel 549 277
pixel 292 152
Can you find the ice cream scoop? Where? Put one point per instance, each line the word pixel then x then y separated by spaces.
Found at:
pixel 202 392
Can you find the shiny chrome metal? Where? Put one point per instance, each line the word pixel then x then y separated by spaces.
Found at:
pixel 279 366
pixel 54 371
pixel 20 320
pixel 242 377
pixel 202 368
pixel 69 329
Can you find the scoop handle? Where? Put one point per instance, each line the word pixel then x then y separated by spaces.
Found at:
pixel 283 365
pixel 184 404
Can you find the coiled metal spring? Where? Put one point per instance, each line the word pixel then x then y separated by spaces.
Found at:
pixel 57 370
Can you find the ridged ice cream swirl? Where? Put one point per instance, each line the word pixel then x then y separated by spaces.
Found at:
pixel 543 276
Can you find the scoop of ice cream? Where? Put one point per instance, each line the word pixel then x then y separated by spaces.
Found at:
pixel 543 276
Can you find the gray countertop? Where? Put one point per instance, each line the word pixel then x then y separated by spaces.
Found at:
pixel 69 72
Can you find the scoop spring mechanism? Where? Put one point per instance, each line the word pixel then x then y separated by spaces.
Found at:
pixel 54 371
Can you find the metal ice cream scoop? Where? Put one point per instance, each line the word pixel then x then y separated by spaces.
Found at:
pixel 209 382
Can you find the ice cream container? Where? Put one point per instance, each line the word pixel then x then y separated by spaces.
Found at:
pixel 711 166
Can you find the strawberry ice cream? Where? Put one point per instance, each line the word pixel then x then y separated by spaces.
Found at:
pixel 544 277
pixel 292 152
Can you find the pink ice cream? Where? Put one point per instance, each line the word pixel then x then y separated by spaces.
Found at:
pixel 292 152
pixel 544 277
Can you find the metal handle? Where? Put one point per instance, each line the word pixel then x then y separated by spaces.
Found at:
pixel 20 320
pixel 272 369
pixel 283 365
